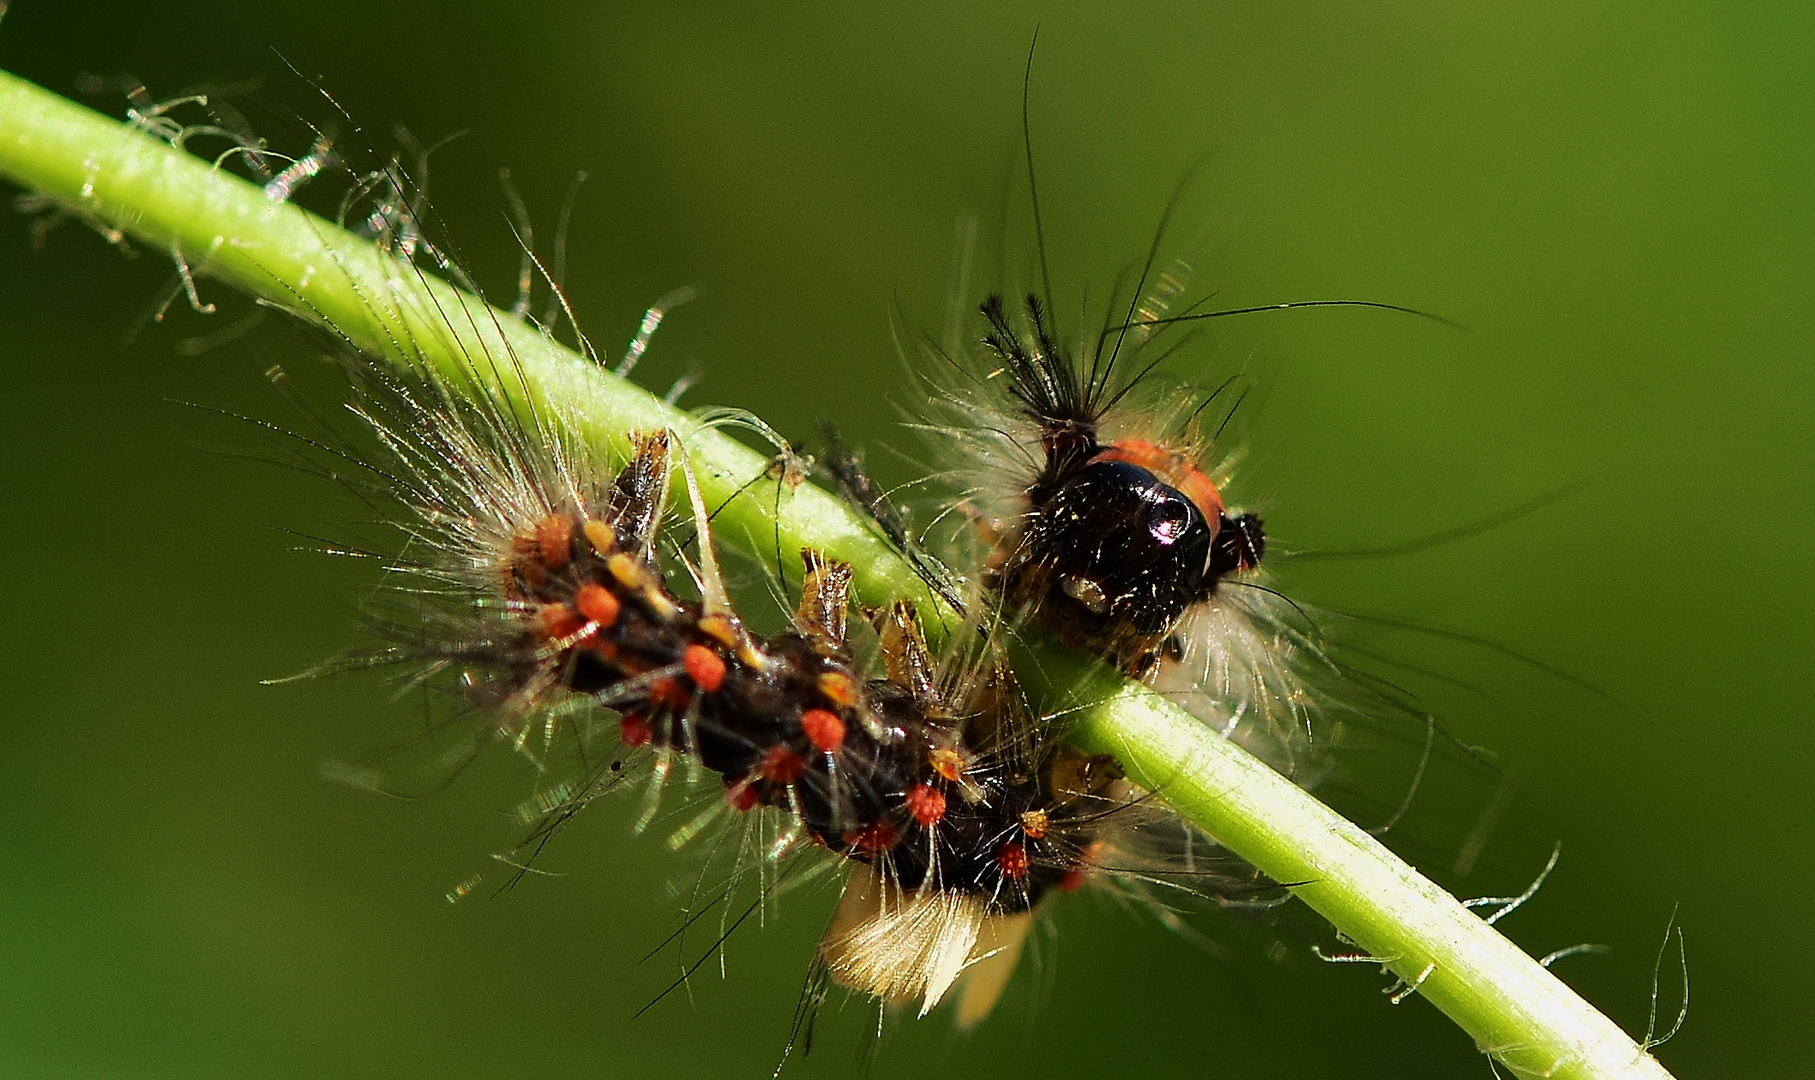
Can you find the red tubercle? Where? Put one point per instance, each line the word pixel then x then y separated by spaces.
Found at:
pixel 1077 872
pixel 742 795
pixel 558 621
pixel 670 693
pixel 927 805
pixel 525 565
pixel 1013 861
pixel 705 667
pixel 782 766
pixel 597 603
pixel 634 730
pixel 876 837
pixel 823 729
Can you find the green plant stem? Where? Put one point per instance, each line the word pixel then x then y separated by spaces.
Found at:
pixel 225 228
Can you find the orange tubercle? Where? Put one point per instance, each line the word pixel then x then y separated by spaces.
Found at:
pixel 839 689
pixel 721 630
pixel 597 603
pixel 704 667
pixel 557 621
pixel 1034 823
pixel 601 536
pixel 927 804
pixel 824 729
pixel 626 570
pixel 782 766
pixel 670 693
pixel 948 763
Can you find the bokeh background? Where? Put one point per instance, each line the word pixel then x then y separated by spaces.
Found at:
pixel 1618 200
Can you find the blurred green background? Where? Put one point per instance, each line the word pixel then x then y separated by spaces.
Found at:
pixel 1618 201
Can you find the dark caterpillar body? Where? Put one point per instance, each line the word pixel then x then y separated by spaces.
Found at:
pixel 550 608
pixel 901 773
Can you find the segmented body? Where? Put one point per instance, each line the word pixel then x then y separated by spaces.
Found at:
pixel 874 770
pixel 548 606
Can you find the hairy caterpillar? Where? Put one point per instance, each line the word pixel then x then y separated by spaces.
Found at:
pixel 1090 501
pixel 534 584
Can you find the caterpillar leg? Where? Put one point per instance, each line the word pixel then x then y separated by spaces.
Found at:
pixel 825 598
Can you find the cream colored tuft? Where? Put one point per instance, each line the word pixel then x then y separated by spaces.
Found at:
pixel 900 946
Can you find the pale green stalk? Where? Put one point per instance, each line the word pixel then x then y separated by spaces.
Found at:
pixel 225 228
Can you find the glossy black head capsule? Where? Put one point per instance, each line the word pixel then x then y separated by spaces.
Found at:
pixel 1114 556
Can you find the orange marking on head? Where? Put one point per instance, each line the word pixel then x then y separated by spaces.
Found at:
pixel 840 689
pixel 704 667
pixel 554 540
pixel 824 729
pixel 1173 468
pixel 597 603
pixel 782 766
pixel 927 804
pixel 1151 456
pixel 1199 489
